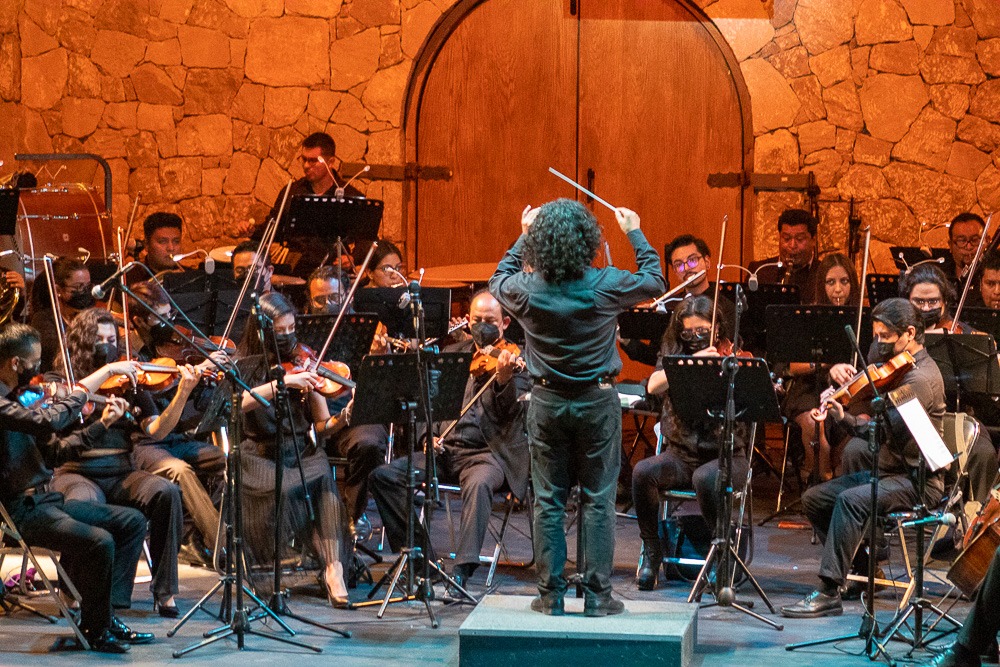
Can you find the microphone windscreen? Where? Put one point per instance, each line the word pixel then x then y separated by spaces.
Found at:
pixel 209 265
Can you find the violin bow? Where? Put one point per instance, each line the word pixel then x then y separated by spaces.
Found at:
pixel 861 297
pixel 50 282
pixel 343 308
pixel 971 274
pixel 257 268
pixel 718 280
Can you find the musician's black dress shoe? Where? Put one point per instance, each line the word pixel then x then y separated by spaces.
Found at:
pixel 815 605
pixel 123 633
pixel 105 642
pixel 956 655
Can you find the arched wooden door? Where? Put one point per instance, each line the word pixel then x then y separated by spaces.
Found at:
pixel 643 96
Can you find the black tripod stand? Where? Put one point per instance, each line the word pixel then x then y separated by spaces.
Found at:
pixel 436 384
pixel 869 630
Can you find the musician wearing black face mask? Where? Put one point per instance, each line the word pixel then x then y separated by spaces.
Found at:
pixel 690 454
pixel 486 450
pixel 930 291
pixel 107 472
pixel 839 509
pixel 73 291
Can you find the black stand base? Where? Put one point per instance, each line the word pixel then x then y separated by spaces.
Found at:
pixel 279 606
pixel 723 592
pixel 240 626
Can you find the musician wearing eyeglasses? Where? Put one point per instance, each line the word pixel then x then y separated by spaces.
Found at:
pixel 687 255
pixel 796 251
pixel 326 290
pixel 73 286
pixel 964 233
pixel 244 256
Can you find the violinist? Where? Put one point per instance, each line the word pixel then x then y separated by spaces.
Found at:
pixel 243 261
pixel 837 286
pixel 989 281
pixel 182 456
pixel 326 287
pixel 162 233
pixel 306 407
pixel 839 509
pixel 486 449
pixel 107 472
pixel 72 278
pixel 964 233
pixel 690 454
pixel 796 251
pixel 99 544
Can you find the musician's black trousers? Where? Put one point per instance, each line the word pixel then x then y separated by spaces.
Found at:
pixel 99 547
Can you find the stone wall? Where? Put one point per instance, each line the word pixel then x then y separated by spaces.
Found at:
pixel 892 102
pixel 200 104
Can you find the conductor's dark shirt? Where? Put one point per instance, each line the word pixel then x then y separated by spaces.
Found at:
pixel 569 328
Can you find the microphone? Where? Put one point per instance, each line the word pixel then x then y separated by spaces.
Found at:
pixel 339 192
pixel 414 292
pixel 946 519
pixel 209 260
pixel 101 290
pixel 753 283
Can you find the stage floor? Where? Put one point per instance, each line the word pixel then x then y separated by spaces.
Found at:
pixel 784 563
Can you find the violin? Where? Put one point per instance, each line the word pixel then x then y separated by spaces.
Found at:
pixel 403 345
pixel 184 353
pixel 725 349
pixel 155 376
pixel 485 359
pixel 858 387
pixel 39 393
pixel 334 376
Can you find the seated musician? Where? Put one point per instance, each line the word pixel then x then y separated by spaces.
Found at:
pixel 243 262
pixel 964 233
pixel 386 267
pixel 72 278
pixel 183 457
pixel 305 408
pixel 363 446
pixel 837 286
pixel 107 472
pixel 162 241
pixel 989 281
pixel 927 288
pixel 839 509
pixel 796 250
pixel 487 448
pixel 690 453
pixel 98 544
pixel 979 631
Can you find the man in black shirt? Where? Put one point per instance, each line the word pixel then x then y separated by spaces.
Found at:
pixel 796 251
pixel 840 508
pixel 569 312
pixel 99 544
pixel 486 448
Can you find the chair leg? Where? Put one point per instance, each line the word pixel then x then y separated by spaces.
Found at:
pixel 500 538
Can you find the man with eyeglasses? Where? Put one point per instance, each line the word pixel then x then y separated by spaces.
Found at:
pixel 72 278
pixel 688 255
pixel 243 261
pixel 964 233
pixel 796 251
pixel 327 288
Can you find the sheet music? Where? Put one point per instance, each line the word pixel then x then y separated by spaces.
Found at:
pixel 935 452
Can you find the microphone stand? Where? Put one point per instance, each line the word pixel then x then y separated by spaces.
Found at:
pixel 234 575
pixel 282 412
pixel 868 631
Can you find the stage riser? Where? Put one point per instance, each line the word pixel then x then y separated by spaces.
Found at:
pixel 503 630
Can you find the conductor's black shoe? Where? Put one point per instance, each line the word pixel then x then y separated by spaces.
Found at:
pixel 955 655
pixel 105 642
pixel 123 633
pixel 606 607
pixel 815 605
pixel 550 605
pixel 649 565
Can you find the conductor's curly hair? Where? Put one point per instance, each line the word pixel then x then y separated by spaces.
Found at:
pixel 563 241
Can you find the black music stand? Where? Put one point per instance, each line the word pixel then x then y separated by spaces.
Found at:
pixel 968 364
pixel 9 198
pixel 882 286
pixel 810 334
pixel 389 391
pixel 754 330
pixel 207 298
pixel 317 225
pixel 352 341
pixel 644 324
pixel 389 304
pixel 726 389
pixel 984 319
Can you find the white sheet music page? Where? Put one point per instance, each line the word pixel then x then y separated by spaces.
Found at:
pixel 928 438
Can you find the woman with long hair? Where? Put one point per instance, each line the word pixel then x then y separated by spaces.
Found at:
pixel 107 473
pixel 305 408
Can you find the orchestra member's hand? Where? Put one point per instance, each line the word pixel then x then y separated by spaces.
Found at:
pixel 528 216
pixel 94 381
pixel 842 373
pixel 303 380
pixel 220 357
pixel 189 379
pixel 830 408
pixel 14 279
pixel 459 334
pixel 628 220
pixel 710 351
pixel 114 410
pixel 506 366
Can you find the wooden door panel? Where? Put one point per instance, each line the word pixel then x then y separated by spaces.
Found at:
pixel 658 113
pixel 499 108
